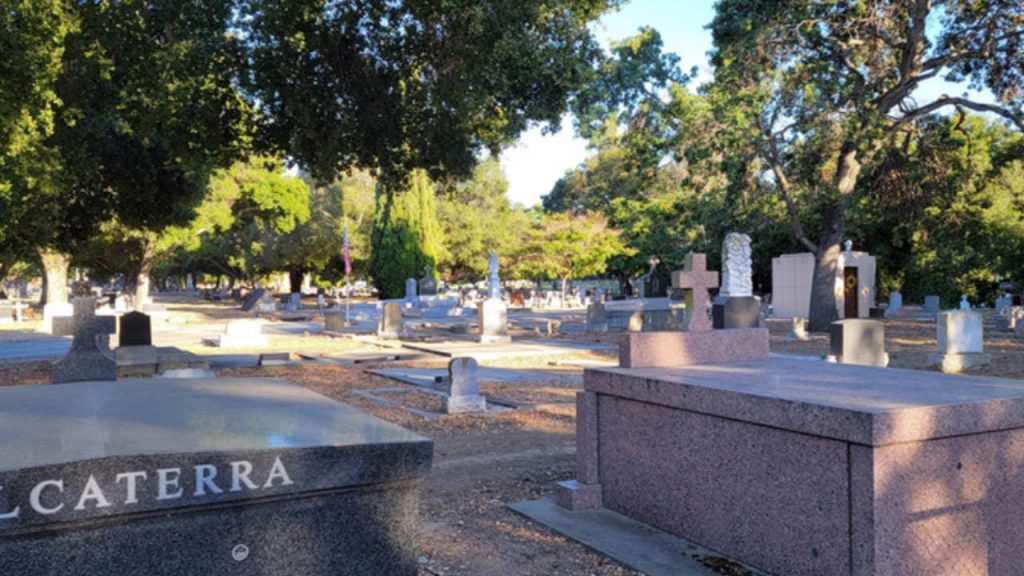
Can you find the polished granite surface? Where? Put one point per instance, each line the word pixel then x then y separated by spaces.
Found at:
pixel 44 425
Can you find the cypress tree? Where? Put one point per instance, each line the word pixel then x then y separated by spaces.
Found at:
pixel 406 235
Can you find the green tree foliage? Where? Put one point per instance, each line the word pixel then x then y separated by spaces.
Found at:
pixel 823 87
pixel 476 219
pixel 414 84
pixel 145 108
pixel 406 236
pixel 944 210
pixel 248 209
pixel 626 104
pixel 566 247
pixel 32 44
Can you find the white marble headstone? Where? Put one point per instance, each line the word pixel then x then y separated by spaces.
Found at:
pixel 736 267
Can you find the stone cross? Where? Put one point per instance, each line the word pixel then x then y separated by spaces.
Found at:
pixel 698 280
pixel 86 360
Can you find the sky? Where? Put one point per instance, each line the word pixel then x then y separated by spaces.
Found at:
pixel 537 161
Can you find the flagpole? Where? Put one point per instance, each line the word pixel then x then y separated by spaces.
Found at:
pixel 348 271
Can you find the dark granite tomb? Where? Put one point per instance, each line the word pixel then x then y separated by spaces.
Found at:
pixel 218 476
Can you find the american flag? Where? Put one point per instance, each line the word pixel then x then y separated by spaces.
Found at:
pixel 344 253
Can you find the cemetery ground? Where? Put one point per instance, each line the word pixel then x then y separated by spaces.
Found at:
pixel 482 462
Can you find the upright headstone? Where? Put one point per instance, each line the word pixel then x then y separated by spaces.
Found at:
pixel 295 302
pixel 960 341
pixel 931 304
pixel 1003 302
pixel 6 312
pixel 647 290
pixel 89 357
pixel 410 289
pixel 136 330
pixel 735 306
pixel 597 317
pixel 464 388
pixel 964 303
pixel 737 270
pixel 696 280
pixel 493 281
pixel 428 286
pixel 252 298
pixel 492 316
pixel 190 284
pixel 895 303
pixel 334 321
pixel 135 354
pixel 390 325
pixel 859 341
pixel 53 310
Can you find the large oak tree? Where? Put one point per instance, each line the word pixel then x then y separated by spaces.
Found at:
pixel 822 87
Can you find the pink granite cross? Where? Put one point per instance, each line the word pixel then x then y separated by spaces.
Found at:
pixel 698 280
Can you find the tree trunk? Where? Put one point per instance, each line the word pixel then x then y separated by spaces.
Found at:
pixel 55 273
pixel 826 261
pixel 145 269
pixel 295 280
pixel 823 297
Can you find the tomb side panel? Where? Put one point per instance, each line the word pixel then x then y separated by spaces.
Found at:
pixel 364 532
pixel 772 498
pixel 951 506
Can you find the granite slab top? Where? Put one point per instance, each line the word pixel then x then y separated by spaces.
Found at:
pixel 860 404
pixel 51 424
pixel 70 452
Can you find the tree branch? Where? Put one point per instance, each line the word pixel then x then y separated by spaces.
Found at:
pixel 786 189
pixel 947 101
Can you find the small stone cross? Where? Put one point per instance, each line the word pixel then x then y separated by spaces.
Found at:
pixel 698 280
pixel 85 326
pixel 88 358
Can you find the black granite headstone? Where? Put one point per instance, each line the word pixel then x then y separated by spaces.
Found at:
pixel 136 330
pixel 736 312
pixel 251 299
pixel 427 286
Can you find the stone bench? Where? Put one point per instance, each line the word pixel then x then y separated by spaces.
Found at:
pixel 218 476
pixel 807 468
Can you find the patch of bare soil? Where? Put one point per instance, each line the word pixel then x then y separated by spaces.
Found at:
pixel 481 463
pixel 415 399
pixel 910 340
pixel 543 392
